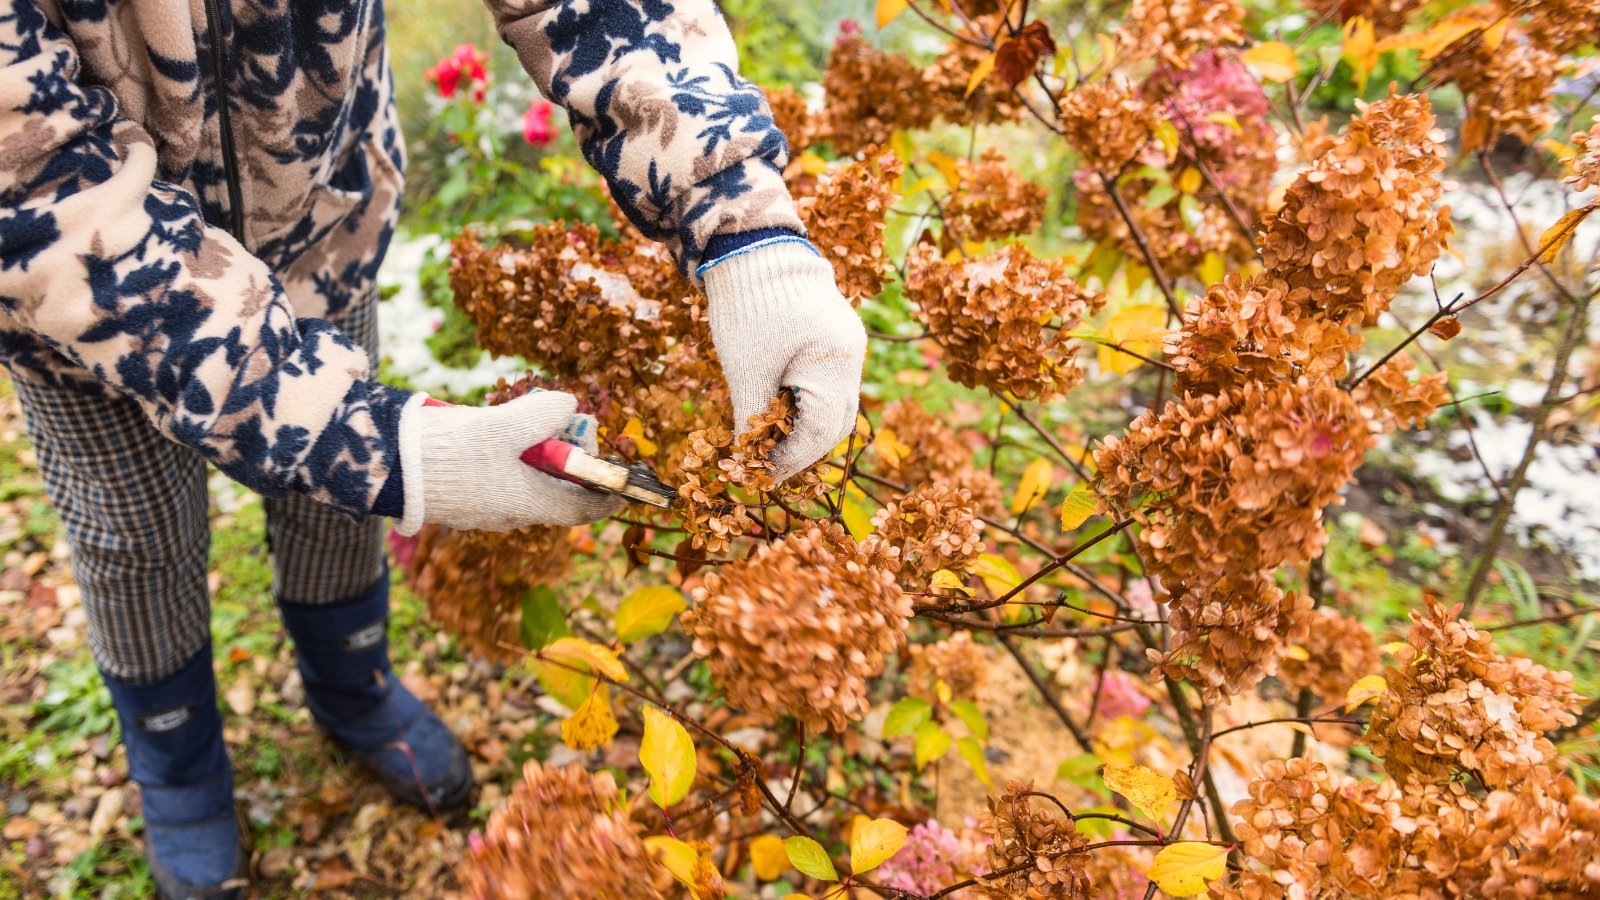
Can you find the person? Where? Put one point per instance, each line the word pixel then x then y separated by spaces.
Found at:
pixel 195 198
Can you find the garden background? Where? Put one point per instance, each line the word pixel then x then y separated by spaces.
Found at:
pixel 1413 520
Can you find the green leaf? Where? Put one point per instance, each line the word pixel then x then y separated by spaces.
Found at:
pixel 906 716
pixel 543 620
pixel 1082 770
pixel 1160 195
pixel 808 856
pixel 972 717
pixel 647 611
pixel 1524 595
pixel 972 752
pixel 1189 210
pixel 933 743
pixel 667 753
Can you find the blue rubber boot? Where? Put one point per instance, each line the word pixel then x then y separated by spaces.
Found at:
pixel 357 700
pixel 173 735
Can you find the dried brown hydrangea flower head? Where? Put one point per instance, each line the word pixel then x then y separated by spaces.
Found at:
pixel 846 217
pixel 1393 401
pixel 1586 165
pixel 722 476
pixel 1029 830
pixel 1108 122
pixel 1004 321
pixel 870 95
pixel 1229 633
pixel 792 114
pixel 1339 651
pixel 473 581
pixel 1455 703
pixel 1507 86
pixel 945 85
pixel 1562 26
pixel 932 527
pixel 1173 30
pixel 994 201
pixel 799 627
pixel 936 456
pixel 960 662
pixel 563 835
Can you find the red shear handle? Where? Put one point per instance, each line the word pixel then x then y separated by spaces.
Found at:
pixel 550 457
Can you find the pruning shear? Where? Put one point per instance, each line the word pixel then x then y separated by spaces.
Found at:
pixel 636 480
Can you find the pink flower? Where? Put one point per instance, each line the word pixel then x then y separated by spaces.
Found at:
pixel 933 857
pixel 402 548
pixel 536 127
pixel 468 62
pixel 1120 696
pixel 848 28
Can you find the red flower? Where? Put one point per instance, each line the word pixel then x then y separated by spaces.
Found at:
pixel 536 128
pixel 467 61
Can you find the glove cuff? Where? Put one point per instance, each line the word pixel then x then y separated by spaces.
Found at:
pixel 411 464
pixel 774 276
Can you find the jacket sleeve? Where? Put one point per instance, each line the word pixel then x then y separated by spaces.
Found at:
pixel 119 272
pixel 652 89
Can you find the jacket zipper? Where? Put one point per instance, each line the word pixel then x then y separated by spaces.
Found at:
pixel 230 159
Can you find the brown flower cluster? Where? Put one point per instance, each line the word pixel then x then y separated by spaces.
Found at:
pixel 932 527
pixel 1173 30
pixel 575 304
pixel 846 218
pixel 1004 321
pixel 1339 651
pixel 1562 26
pixel 721 475
pixel 800 626
pixel 870 95
pixel 993 202
pixel 1108 122
pixel 1227 633
pixel 1507 88
pixel 1362 220
pixel 1247 330
pixel 474 581
pixel 937 456
pixel 1042 837
pixel 563 834
pixel 946 80
pixel 960 662
pixel 1454 703
pixel 1586 165
pixel 1395 401
pixel 1387 16
pixel 792 114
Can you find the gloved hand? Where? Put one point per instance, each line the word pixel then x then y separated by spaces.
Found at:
pixel 778 320
pixel 461 466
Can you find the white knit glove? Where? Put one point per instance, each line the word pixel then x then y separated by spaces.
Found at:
pixel 461 468
pixel 778 320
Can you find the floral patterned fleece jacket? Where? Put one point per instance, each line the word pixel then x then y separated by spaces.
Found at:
pixel 175 222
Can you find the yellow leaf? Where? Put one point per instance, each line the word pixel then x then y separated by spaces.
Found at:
pixel 1559 149
pixel 1213 268
pixel 873 842
pixel 972 752
pixel 690 864
pixel 921 184
pixel 592 726
pixel 1108 49
pixel 1145 788
pixel 941 689
pixel 948 167
pixel 857 518
pixel 635 429
pixel 1273 59
pixel 1035 483
pixel 1189 180
pixel 1368 688
pixel 812 164
pixel 1167 135
pixel 768 857
pixel 572 651
pixel 889 9
pixel 998 575
pixel 647 611
pixel 1078 506
pixel 889 448
pixel 1394 647
pixel 1449 30
pixel 1556 236
pixel 667 754
pixel 1296 652
pixel 808 856
pixel 1360 50
pixel 984 67
pixel 903 147
pixel 1140 328
pixel 948 580
pixel 1182 869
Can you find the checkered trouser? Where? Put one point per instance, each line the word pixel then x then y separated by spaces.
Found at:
pixel 135 506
